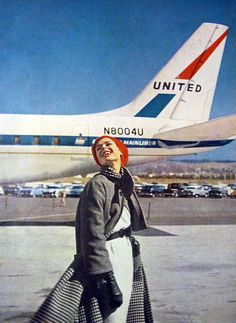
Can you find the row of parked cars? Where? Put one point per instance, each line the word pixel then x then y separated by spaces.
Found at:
pixel 145 190
pixel 51 190
pixel 186 190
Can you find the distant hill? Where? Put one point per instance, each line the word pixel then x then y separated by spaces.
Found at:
pixel 188 169
pixel 204 161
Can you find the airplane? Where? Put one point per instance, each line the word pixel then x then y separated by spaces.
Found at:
pixel 170 117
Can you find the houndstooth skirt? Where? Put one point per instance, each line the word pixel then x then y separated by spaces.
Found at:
pixel 66 302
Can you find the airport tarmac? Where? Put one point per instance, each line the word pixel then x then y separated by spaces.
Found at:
pixel 191 269
pixel 159 211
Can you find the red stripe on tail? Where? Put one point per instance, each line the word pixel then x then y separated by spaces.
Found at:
pixel 194 67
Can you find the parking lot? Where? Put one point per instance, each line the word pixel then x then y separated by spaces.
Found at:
pixel 158 211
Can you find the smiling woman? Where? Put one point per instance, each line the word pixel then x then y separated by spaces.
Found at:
pixel 107 213
pixel 106 282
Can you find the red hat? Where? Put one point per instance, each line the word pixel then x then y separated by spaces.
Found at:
pixel 123 149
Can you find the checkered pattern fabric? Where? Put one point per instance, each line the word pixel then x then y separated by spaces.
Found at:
pixel 64 305
pixel 140 306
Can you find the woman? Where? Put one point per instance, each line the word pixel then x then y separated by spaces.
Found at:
pixel 112 284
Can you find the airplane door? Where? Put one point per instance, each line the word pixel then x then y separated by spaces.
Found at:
pixel 81 133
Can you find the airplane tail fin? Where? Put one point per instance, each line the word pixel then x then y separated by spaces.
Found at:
pixel 184 88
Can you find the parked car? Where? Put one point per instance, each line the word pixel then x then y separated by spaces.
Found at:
pixel 1 191
pixel 53 191
pixel 11 190
pixel 74 190
pixel 216 193
pixel 176 190
pixel 138 188
pixel 25 191
pixel 228 189
pixel 199 191
pixel 182 192
pixel 152 190
pixel 37 191
pixel 233 194
pixel 158 190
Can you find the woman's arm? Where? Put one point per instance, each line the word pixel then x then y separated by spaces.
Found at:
pixel 90 228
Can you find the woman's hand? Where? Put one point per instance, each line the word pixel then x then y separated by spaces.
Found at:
pixel 116 295
pixel 107 291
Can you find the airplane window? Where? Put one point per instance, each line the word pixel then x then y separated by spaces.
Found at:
pixel 36 140
pixel 56 140
pixel 17 140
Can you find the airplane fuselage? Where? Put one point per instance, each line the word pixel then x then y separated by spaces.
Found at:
pixel 43 147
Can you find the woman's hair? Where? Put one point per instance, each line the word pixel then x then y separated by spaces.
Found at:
pixel 122 147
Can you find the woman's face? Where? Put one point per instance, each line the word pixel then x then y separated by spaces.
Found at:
pixel 107 152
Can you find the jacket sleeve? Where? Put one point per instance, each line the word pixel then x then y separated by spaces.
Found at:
pixel 90 228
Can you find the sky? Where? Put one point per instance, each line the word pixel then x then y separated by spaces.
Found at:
pixel 76 57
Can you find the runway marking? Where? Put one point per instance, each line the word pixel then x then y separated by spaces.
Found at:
pixel 37 217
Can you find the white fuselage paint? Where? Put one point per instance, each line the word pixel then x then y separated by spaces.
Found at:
pixel 19 162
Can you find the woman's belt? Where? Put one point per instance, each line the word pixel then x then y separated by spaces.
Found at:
pixel 120 234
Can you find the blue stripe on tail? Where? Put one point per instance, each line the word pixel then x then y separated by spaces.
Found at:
pixel 155 106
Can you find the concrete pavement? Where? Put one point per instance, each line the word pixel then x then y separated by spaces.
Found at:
pixel 191 270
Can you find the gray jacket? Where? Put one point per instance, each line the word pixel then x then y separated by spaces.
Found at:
pixel 98 211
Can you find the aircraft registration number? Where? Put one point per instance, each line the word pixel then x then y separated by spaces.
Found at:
pixel 123 131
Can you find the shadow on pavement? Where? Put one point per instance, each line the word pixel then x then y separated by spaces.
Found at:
pixel 152 232
pixel 37 223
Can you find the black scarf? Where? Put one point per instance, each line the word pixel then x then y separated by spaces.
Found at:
pixel 123 179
